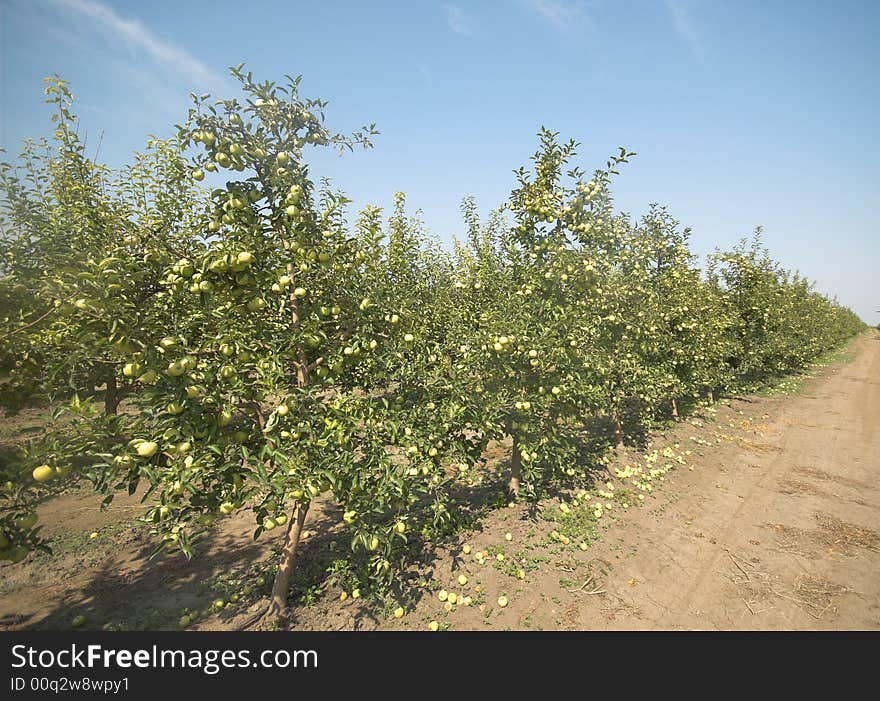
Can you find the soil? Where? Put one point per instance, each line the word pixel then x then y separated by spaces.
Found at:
pixel 769 520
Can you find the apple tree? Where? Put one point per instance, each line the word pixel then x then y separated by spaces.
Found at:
pixel 296 362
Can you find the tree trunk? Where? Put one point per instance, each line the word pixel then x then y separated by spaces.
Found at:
pixel 302 365
pixel 711 396
pixel 281 588
pixel 674 409
pixel 618 431
pixel 515 469
pixel 111 396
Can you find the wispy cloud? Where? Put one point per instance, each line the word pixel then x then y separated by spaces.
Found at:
pixel 139 40
pixel 458 21
pixel 685 27
pixel 561 15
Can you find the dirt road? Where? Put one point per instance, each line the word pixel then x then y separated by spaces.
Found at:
pixel 780 531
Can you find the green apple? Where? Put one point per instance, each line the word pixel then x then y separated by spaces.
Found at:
pixel 16 554
pixel 147 449
pixel 26 521
pixel 43 473
pixel 300 292
pixel 131 369
pixel 176 369
pixel 198 175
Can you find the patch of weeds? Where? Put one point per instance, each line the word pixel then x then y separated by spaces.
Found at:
pixel 514 566
pixel 576 525
pixel 342 574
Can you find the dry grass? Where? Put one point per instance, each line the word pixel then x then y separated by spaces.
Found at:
pixel 758 589
pixel 793 487
pixel 833 535
pixel 756 447
pixel 828 477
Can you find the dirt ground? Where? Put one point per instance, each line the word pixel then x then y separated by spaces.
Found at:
pixel 761 512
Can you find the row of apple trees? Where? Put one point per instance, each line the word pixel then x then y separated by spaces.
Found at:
pixel 251 346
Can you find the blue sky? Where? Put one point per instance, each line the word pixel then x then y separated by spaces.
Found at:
pixel 742 113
